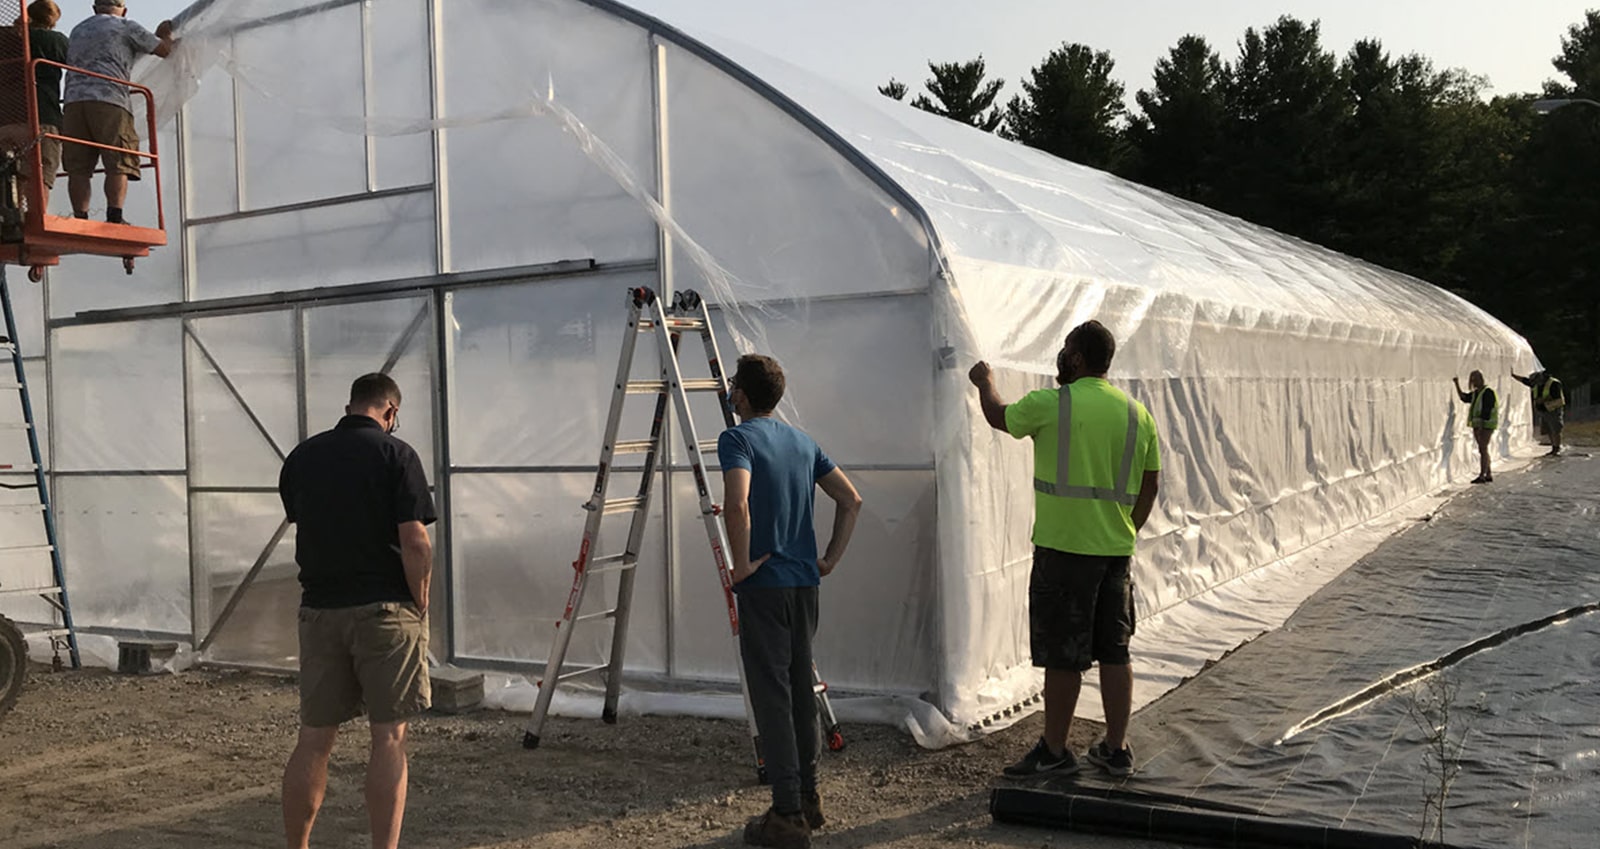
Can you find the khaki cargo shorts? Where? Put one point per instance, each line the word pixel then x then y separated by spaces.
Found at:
pixel 50 156
pixel 103 123
pixel 17 137
pixel 374 657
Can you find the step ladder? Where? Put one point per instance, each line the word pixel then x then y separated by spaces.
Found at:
pixel 649 314
pixel 31 476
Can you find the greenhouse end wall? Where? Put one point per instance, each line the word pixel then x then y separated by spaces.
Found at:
pixel 482 258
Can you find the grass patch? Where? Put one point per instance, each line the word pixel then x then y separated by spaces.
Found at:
pixel 1581 433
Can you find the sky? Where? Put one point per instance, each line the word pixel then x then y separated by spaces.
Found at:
pixel 861 43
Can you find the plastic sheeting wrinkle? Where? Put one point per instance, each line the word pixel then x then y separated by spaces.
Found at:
pixel 1413 674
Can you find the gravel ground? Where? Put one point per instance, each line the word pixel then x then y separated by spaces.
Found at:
pixel 192 761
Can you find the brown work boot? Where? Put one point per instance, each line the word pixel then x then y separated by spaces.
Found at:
pixel 811 807
pixel 780 831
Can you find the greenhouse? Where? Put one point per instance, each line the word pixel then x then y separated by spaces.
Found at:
pixel 461 193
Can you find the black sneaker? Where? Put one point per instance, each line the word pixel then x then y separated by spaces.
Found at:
pixel 1039 761
pixel 811 809
pixel 1118 764
pixel 779 831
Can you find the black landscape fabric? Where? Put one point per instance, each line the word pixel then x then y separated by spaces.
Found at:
pixel 1492 604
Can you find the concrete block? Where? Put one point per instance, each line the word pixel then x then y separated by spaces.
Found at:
pixel 455 690
pixel 138 657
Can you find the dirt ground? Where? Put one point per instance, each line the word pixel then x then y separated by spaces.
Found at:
pixel 94 760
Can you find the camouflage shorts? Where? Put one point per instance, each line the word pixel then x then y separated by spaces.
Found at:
pixel 1080 610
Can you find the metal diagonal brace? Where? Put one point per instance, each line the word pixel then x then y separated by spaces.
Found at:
pixel 238 592
pixel 234 391
pixel 399 349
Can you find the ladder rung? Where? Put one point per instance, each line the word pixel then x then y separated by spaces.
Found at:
pixel 622 505
pixel 588 617
pixel 15 426
pixel 10 386
pixel 652 387
pixel 53 632
pixel 674 323
pixel 633 446
pixel 11 469
pixel 28 590
pixel 584 671
pixel 709 446
pixel 27 549
pixel 20 508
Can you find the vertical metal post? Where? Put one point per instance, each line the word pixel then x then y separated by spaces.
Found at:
pixel 441 168
pixel 443 350
pixel 367 96
pixel 238 132
pixel 301 355
pixel 39 473
pixel 658 92
pixel 199 577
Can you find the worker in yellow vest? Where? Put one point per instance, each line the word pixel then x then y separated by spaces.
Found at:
pixel 1548 402
pixel 1095 477
pixel 1483 415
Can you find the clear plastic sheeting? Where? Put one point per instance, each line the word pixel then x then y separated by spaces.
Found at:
pixel 130 547
pixel 118 397
pixel 1327 720
pixel 448 152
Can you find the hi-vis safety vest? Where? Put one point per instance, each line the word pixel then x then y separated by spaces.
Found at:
pixel 1114 490
pixel 1546 395
pixel 1480 418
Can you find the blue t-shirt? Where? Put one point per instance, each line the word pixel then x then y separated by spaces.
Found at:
pixel 784 466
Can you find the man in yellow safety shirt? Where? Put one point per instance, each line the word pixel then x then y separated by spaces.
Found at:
pixel 1548 402
pixel 1095 478
pixel 1483 416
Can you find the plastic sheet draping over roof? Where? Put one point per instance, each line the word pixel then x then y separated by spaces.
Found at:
pixel 1299 392
pixel 877 251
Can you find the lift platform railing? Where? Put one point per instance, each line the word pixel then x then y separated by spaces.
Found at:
pixel 30 236
pixel 152 157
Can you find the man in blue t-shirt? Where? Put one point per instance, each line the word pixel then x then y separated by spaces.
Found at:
pixel 770 472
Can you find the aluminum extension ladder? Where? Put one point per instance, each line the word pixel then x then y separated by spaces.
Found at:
pixel 649 314
pixel 64 636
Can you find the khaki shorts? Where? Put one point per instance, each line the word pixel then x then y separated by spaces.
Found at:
pixel 50 156
pixel 104 123
pixel 17 137
pixel 373 656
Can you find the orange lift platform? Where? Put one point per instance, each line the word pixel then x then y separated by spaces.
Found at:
pixel 29 236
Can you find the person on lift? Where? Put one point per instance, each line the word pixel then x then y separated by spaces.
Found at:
pixel 100 110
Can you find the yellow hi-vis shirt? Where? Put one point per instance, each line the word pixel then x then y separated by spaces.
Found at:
pixel 1085 504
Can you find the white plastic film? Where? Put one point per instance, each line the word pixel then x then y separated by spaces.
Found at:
pixel 500 54
pixel 1298 393
pixel 129 547
pixel 522 349
pixel 346 341
pixel 118 396
pixel 382 238
pixel 231 532
pixel 243 407
pixel 516 538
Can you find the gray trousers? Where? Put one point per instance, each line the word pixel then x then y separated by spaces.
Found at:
pixel 775 629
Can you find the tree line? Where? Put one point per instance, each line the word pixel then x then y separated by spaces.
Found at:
pixel 1387 158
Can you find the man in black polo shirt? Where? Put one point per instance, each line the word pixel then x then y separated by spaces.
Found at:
pixel 360 503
